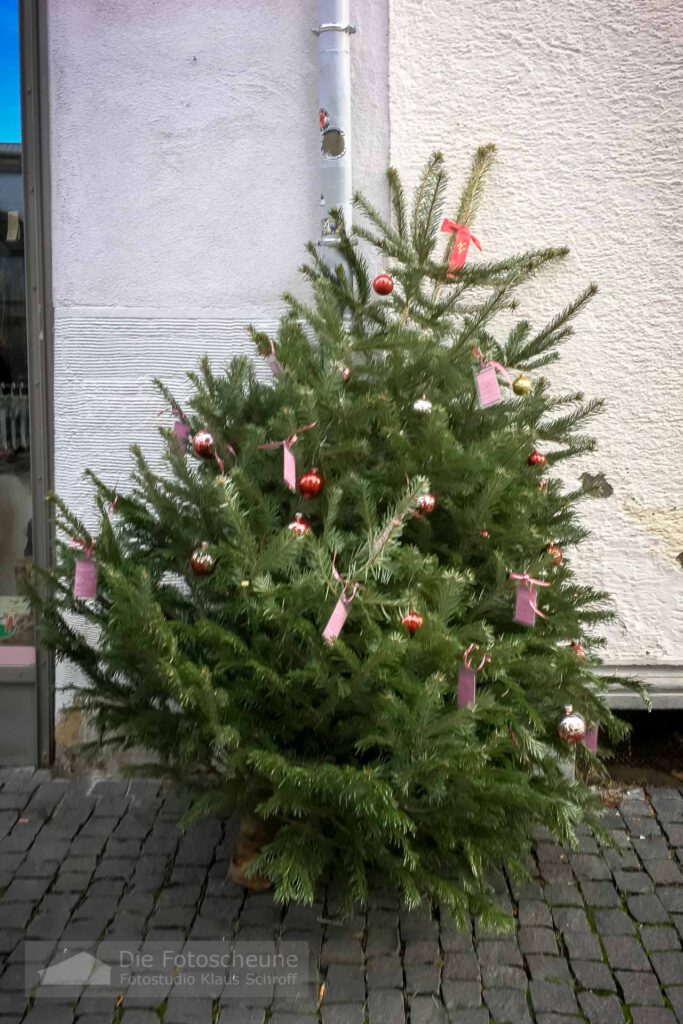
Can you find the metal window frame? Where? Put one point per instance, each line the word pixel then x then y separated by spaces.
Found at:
pixel 39 318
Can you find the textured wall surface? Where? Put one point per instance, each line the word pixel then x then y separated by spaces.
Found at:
pixel 185 184
pixel 584 104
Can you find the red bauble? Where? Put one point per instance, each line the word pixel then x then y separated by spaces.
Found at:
pixel 555 552
pixel 299 525
pixel 383 284
pixel 412 621
pixel 577 649
pixel 346 374
pixel 203 445
pixel 485 534
pixel 201 562
pixel 311 483
pixel 537 459
pixel 426 503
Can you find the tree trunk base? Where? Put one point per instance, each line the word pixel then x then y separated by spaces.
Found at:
pixel 253 835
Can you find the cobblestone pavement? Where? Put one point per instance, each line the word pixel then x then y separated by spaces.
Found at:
pixel 598 930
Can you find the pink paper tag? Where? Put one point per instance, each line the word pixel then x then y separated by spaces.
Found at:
pixel 85 580
pixel 274 364
pixel 488 388
pixel 336 620
pixel 467 686
pixel 289 467
pixel 525 613
pixel 181 430
pixel 591 740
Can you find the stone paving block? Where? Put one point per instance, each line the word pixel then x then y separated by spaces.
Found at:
pixel 601 1009
pixel 422 979
pixel 625 953
pixel 651 848
pixel 614 922
pixel 652 1015
pixel 669 966
pixel 557 872
pixel 555 1018
pixel 421 951
pixel 480 1016
pixel 507 1006
pixel 461 966
pixel 534 914
pixel 589 867
pixel 601 894
pixel 455 942
pixel 571 919
pixel 644 827
pixel 664 872
pixel 382 942
pixel 501 951
pixel 647 909
pixel 674 832
pixel 183 1010
pixel 384 972
pixel 344 984
pixel 537 940
pixel 425 1010
pixel 674 993
pixel 342 1013
pixel 50 1013
pixel 639 988
pixel 549 998
pixel 634 883
pixel 503 976
pixel 582 945
pixel 12 1002
pixel 548 968
pixel 671 897
pixel 563 895
pixel 659 937
pixel 593 974
pixel 459 995
pixel 386 1007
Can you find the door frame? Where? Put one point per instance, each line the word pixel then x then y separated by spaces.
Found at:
pixel 39 676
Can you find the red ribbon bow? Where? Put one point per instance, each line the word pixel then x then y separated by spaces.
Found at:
pixel 292 439
pixel 88 547
pixel 461 243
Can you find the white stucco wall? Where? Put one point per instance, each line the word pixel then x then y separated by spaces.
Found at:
pixel 581 99
pixel 185 184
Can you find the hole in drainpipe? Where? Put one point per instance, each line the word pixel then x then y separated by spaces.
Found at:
pixel 333 145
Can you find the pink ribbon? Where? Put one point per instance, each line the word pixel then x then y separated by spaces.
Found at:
pixel 530 583
pixel 273 361
pixel 461 243
pixel 341 609
pixel 484 362
pixel 288 460
pixel 467 657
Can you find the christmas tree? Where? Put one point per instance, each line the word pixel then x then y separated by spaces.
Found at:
pixel 345 606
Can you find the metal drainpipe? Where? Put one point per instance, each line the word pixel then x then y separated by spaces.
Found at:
pixel 336 182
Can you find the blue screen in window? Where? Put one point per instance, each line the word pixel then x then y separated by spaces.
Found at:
pixel 10 110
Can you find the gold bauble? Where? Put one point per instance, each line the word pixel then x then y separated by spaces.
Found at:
pixel 522 385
